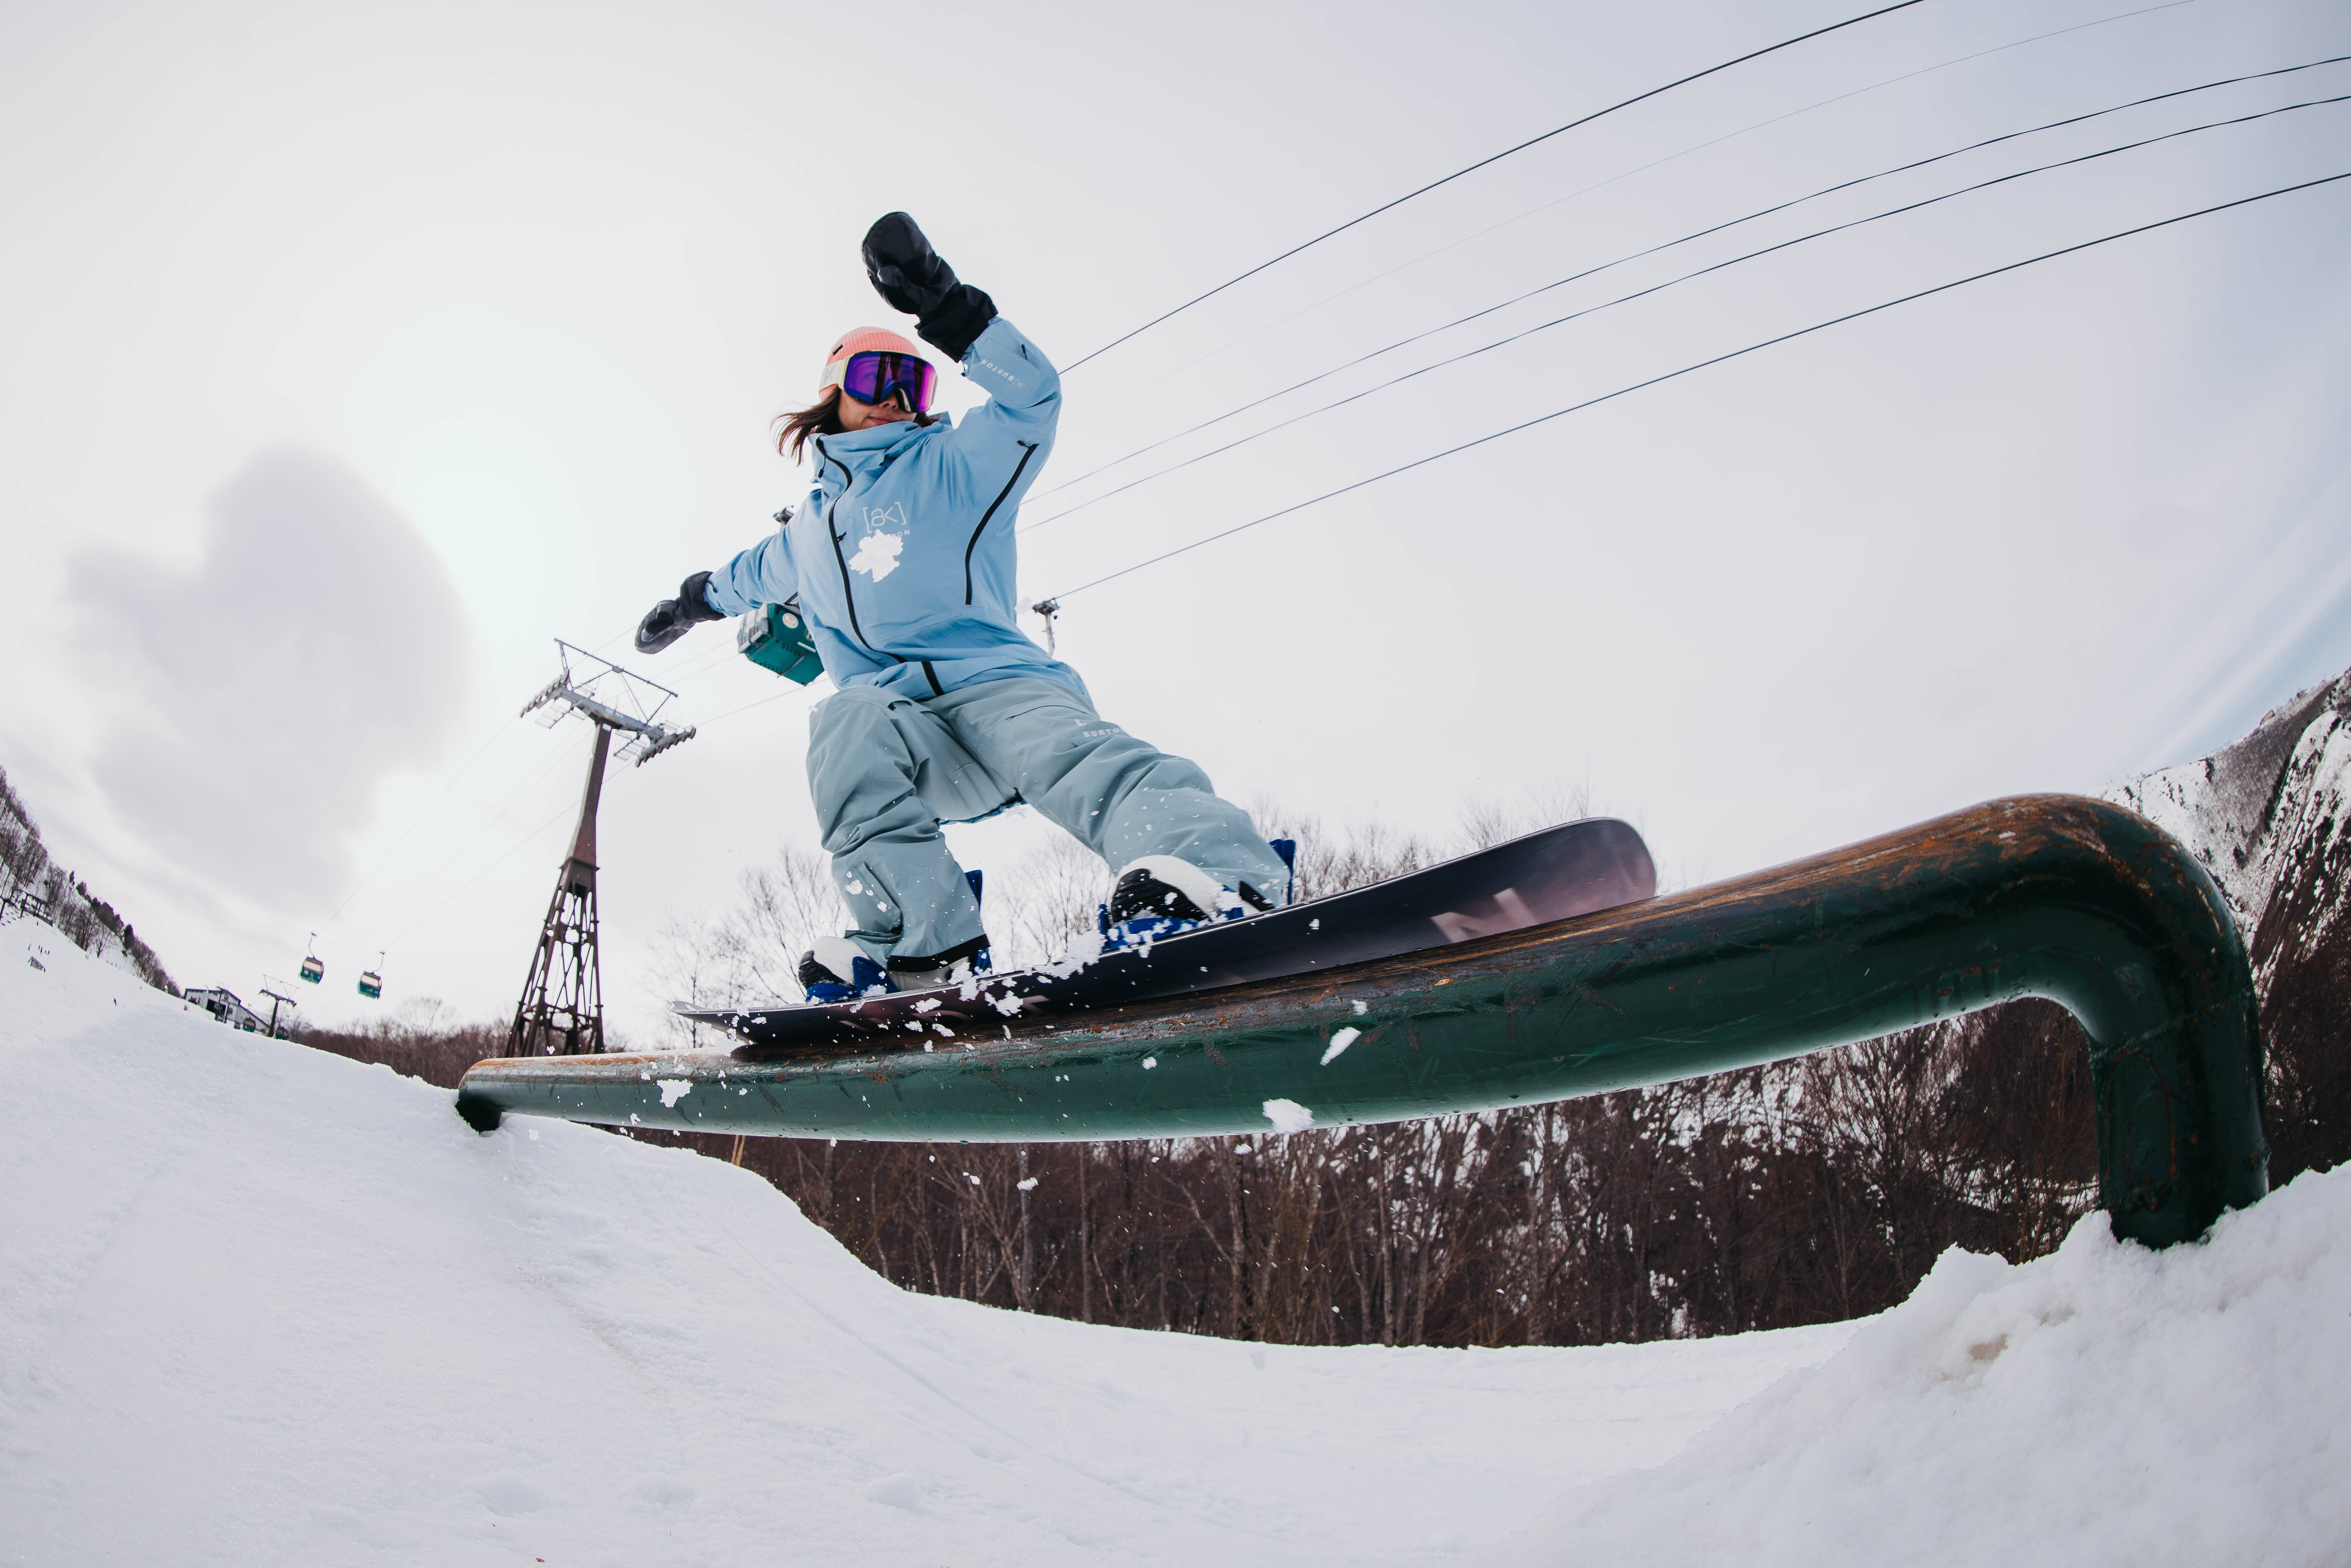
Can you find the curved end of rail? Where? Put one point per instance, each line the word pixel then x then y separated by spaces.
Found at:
pixel 2094 907
pixel 2046 895
pixel 481 1111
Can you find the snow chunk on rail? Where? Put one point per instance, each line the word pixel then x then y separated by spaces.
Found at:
pixel 1288 1115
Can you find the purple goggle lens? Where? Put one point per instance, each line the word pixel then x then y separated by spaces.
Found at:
pixel 873 376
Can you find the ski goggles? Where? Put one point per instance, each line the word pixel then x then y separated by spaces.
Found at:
pixel 875 376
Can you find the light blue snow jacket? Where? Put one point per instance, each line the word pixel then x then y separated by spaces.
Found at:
pixel 903 556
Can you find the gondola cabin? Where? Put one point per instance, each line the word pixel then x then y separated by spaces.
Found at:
pixel 313 970
pixel 370 984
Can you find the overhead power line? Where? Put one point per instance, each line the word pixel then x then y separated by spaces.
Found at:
pixel 1669 283
pixel 1638 255
pixel 1702 364
pixel 1495 158
pixel 1782 118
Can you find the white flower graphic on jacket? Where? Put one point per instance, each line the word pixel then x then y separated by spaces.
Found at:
pixel 877 552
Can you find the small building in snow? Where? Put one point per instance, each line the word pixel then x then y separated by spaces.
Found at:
pixel 222 1003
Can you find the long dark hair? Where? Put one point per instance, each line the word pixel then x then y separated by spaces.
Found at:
pixel 821 417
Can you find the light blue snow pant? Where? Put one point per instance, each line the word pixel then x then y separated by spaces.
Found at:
pixel 886 770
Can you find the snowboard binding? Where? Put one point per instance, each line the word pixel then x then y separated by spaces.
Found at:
pixel 1160 897
pixel 836 970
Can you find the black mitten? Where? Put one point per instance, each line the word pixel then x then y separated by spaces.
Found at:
pixel 911 277
pixel 667 621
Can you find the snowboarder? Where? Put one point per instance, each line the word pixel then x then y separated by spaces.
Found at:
pixel 902 562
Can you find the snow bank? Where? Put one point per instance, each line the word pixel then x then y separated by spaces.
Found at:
pixel 2103 1404
pixel 261 1304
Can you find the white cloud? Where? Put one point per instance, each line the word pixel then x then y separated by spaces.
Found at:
pixel 316 644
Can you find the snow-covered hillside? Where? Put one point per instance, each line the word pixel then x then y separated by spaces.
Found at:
pixel 262 1304
pixel 2269 816
pixel 2264 812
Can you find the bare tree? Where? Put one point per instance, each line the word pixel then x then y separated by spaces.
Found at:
pixel 787 904
pixel 1487 821
pixel 749 952
pixel 1038 906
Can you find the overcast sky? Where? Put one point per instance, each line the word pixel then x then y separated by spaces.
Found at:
pixel 356 353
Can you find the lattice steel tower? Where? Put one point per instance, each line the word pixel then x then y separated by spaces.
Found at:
pixel 562 1008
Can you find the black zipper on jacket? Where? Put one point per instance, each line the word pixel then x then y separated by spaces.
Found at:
pixel 848 597
pixel 1029 451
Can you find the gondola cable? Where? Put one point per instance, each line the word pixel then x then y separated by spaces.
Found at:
pixel 1483 162
pixel 1627 174
pixel 1654 249
pixel 1659 287
pixel 1702 364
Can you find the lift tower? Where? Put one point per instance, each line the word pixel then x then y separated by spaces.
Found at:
pixel 562 1008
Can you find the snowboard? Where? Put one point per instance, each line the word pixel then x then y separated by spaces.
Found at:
pixel 1575 868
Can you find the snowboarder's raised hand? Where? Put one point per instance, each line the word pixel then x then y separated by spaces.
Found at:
pixel 667 621
pixel 909 274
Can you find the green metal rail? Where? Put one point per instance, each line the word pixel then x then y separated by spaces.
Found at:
pixel 2046 895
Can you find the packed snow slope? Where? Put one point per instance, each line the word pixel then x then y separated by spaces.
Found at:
pixel 262 1305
